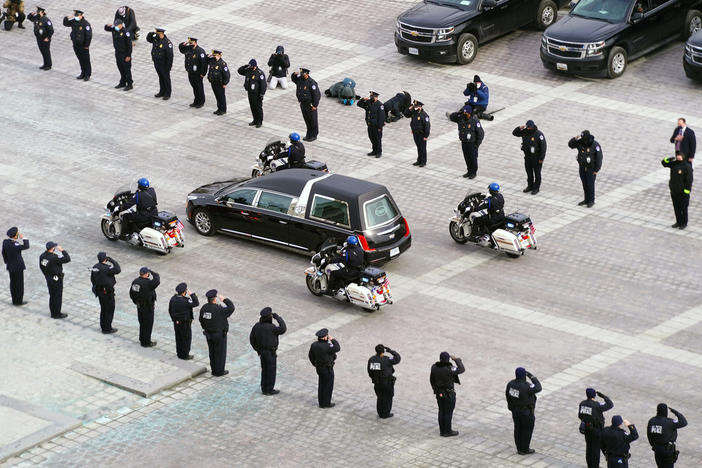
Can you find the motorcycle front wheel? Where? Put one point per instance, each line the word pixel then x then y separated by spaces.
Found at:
pixel 255 173
pixel 456 234
pixel 314 284
pixel 108 230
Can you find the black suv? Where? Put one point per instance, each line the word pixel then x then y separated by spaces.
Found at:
pixel 599 37
pixel 692 60
pixel 450 30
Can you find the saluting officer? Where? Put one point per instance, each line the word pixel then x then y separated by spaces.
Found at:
pixel 122 42
pixel 616 442
pixel 590 161
pixel 196 66
pixel 322 356
pixel 380 370
pixel 143 294
pixel 213 319
pixel 308 96
pixel 81 35
pixel 43 30
pixel 592 422
pixel 51 264
pixel 662 433
pixel 471 134
pixel 534 148
pixel 375 119
pixel 442 378
pixel 180 308
pixel 264 340
pixel 420 127
pixel 218 77
pixel 102 276
pixel 12 256
pixel 162 56
pixel 255 86
pixel 521 400
pixel 680 185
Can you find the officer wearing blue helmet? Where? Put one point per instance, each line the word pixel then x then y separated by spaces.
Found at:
pixel 146 206
pixel 353 258
pixel 494 204
pixel 296 151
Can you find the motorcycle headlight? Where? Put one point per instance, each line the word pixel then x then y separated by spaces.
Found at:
pixel 444 34
pixel 594 48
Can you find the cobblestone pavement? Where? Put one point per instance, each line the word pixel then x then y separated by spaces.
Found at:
pixel 611 299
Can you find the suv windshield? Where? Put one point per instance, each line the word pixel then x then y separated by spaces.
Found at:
pixel 462 4
pixel 613 11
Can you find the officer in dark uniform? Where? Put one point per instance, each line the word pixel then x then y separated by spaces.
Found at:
pixel 51 265
pixel 180 308
pixel 495 207
pixel 218 77
pixel 534 148
pixel 590 161
pixel 162 56
pixel 196 66
pixel 680 185
pixel 128 18
pixel 521 400
pixel 81 35
pixel 264 340
pixel 322 356
pixel 146 203
pixel 122 42
pixel 12 256
pixel 397 106
pixel 420 127
pixel 591 425
pixel 213 319
pixel 143 294
pixel 375 119
pixel 255 86
pixel 308 96
pixel 615 442
pixel 296 151
pixel 43 30
pixel 662 433
pixel 471 134
pixel 442 378
pixel 353 258
pixel 102 276
pixel 380 370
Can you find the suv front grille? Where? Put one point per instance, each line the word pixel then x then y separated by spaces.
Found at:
pixel 415 34
pixel 696 53
pixel 565 49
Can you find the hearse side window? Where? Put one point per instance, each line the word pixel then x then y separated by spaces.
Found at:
pixel 243 196
pixel 379 211
pixel 330 210
pixel 274 202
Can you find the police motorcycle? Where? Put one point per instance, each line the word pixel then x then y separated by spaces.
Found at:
pixel 371 290
pixel 513 236
pixel 163 232
pixel 271 159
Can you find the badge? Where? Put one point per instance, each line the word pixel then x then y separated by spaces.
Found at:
pixel 217 67
pixel 588 150
pixel 41 31
pixel 679 171
pixel 80 28
pixel 468 125
pixel 194 55
pixel 418 118
pixel 304 87
pixel 532 138
pixel 160 46
pixel 252 77
pixel 121 34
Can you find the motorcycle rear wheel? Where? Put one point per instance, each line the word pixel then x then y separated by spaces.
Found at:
pixel 512 255
pixel 255 173
pixel 108 230
pixel 455 232
pixel 314 285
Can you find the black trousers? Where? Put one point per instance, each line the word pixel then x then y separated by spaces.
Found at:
pixel 310 117
pixel 218 89
pixel 665 456
pixel 125 68
pixel 588 177
pixel 680 203
pixel 325 385
pixel 107 309
pixel 470 155
pixel 183 337
pixel 164 79
pixel 375 135
pixel 268 367
pixel 533 171
pixel 421 147
pixel 384 392
pixel 17 286
pixel 523 428
pixel 617 462
pixel 217 344
pixel 83 55
pixel 198 88
pixel 447 404
pixel 256 105
pixel 45 49
pixel 55 294
pixel 593 445
pixel 145 313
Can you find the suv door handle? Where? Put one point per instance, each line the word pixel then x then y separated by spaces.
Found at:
pixel 282 222
pixel 244 213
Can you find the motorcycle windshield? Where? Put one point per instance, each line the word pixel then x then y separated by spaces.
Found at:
pixel 126 188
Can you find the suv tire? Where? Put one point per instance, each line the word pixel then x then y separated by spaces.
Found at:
pixel 616 62
pixel 546 15
pixel 466 49
pixel 693 22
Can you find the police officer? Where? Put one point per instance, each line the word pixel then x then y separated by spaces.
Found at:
pixel 12 256
pixel 590 161
pixel 279 63
pixel 43 30
pixel 420 127
pixel 102 276
pixel 128 17
pixel 353 258
pixel 143 294
pixel 471 134
pixel 397 106
pixel 375 119
pixel 122 42
pixel 146 203
pixel 616 442
pixel 380 370
pixel 255 86
pixel 534 148
pixel 662 433
pixel 264 340
pixel 162 56
pixel 296 151
pixel 591 425
pixel 680 185
pixel 322 356
pixel 308 96
pixel 213 319
pixel 218 77
pixel 196 66
pixel 51 265
pixel 81 35
pixel 180 308
pixel 442 378
pixel 521 400
pixel 495 207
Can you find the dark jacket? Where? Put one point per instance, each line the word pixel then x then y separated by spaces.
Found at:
pixel 254 80
pixel 129 20
pixel 213 317
pixel 688 145
pixel 296 154
pixel 143 290
pixel 195 59
pixel 495 206
pixel 12 253
pixel 51 264
pixel 145 200
pixel 615 442
pixel 398 104
pixel 161 50
pixel 443 376
pixel 589 153
pixel 662 430
pixel 680 175
pixel 81 32
pixel 419 122
pixel 102 276
pixel 533 142
pixel 469 129
pixel 279 63
pixel 121 40
pixel 43 28
pixel 590 412
pixel 375 112
pixel 307 90
pixel 218 72
pixel 264 335
pixel 323 353
pixel 381 368
pixel 521 395
pixel 352 256
pixel 180 308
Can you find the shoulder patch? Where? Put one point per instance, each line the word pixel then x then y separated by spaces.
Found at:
pixel 226 69
pixel 427 119
pixel 597 148
pixel 49 23
pixel 314 86
pixel 477 124
pixel 127 33
pixel 382 107
pixel 87 28
pixel 202 55
pixel 44 262
pixel 541 137
pixel 170 45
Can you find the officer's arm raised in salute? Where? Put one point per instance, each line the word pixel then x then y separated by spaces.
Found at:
pixel 281 328
pixel 535 386
pixel 230 306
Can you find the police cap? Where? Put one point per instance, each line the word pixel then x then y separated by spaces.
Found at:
pixel 40 9
pixel 161 30
pixel 101 256
pixel 373 94
pixel 266 312
pixel 322 333
pixel 143 270
pixel 12 232
pixel 211 293
pixel 181 288
pixel 78 12
pixel 418 103
pixel 216 52
pixel 50 245
pixel 304 70
pixel 192 39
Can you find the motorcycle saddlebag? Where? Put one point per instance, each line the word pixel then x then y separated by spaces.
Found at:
pixel 506 240
pixel 517 222
pixel 316 165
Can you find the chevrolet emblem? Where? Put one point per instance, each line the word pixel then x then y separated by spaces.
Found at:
pixel 562 48
pixel 414 33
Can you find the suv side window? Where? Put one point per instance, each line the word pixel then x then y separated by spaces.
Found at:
pixel 274 202
pixel 329 210
pixel 243 196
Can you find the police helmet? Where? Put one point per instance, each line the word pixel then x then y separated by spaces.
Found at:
pixel 494 187
pixel 352 240
pixel 143 182
pixel 294 136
